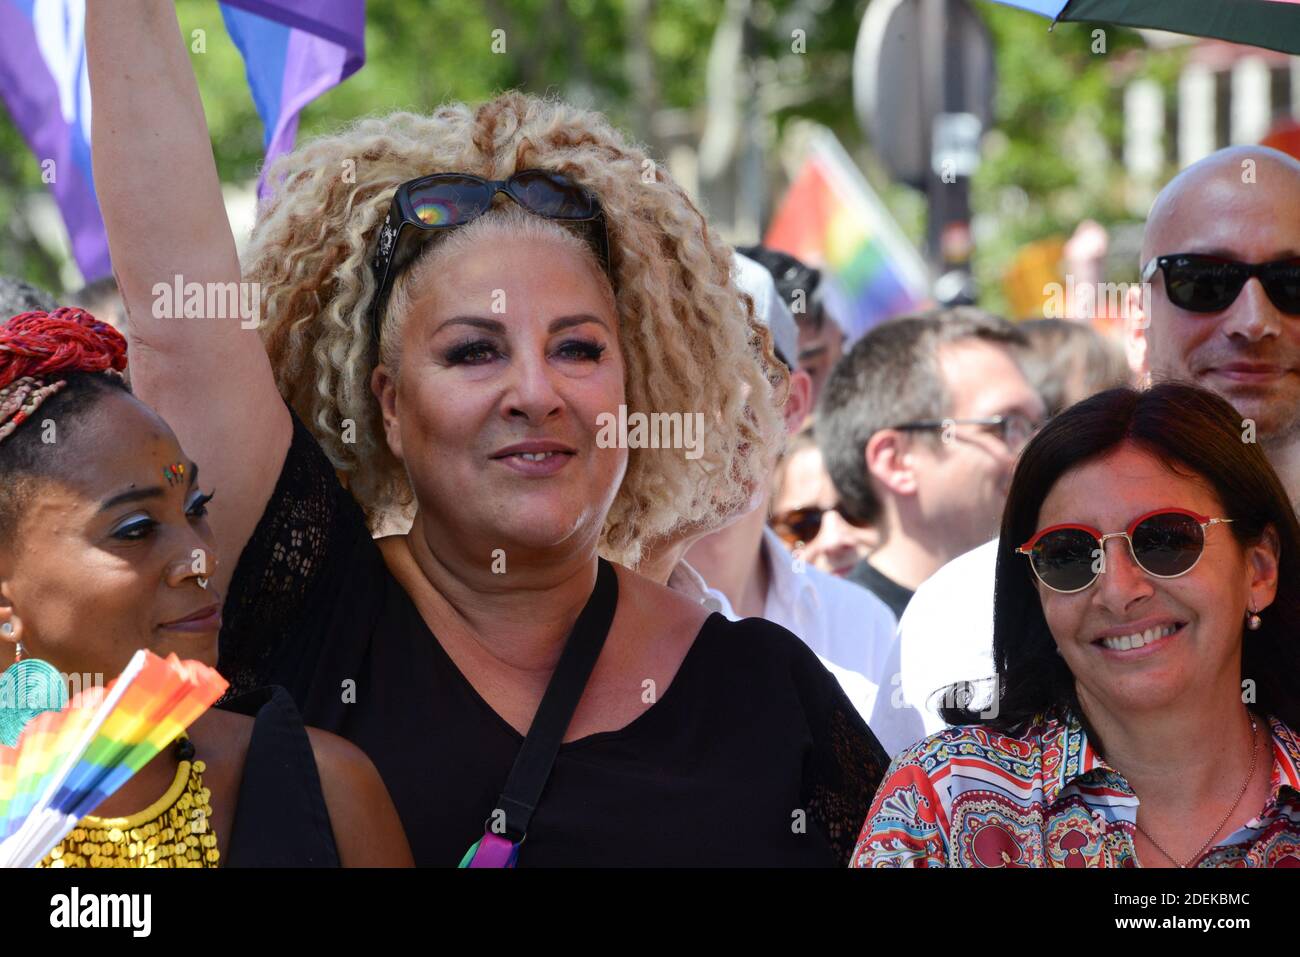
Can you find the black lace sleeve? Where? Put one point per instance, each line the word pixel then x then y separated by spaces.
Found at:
pixel 274 615
pixel 847 766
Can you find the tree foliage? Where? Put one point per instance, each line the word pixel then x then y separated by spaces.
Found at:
pixel 640 59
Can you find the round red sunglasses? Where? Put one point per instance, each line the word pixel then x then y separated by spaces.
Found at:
pixel 1165 543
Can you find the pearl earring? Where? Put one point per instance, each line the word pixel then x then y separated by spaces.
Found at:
pixel 1253 621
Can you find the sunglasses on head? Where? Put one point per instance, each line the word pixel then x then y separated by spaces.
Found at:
pixel 1211 283
pixel 802 525
pixel 1165 543
pixel 422 207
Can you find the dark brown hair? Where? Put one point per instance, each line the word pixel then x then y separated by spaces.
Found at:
pixel 1193 432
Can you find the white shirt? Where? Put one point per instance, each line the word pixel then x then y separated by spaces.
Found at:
pixel 945 636
pixel 849 628
pixel 841 621
pixel 686 580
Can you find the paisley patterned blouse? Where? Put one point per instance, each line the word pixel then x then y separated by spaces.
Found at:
pixel 975 797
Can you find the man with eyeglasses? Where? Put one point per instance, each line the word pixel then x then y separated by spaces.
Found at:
pixel 1219 306
pixel 920 424
pixel 1221 252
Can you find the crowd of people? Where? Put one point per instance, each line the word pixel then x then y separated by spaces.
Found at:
pixel 963 592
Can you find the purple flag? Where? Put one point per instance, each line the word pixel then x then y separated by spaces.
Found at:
pixel 294 50
pixel 44 84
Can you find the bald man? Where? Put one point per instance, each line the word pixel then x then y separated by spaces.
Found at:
pixel 1241 204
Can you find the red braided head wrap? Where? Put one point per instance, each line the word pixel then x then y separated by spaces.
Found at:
pixel 37 344
pixel 35 347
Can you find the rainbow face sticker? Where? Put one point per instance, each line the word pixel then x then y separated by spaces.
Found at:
pixel 174 474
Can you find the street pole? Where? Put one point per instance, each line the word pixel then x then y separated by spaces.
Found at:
pixel 948 185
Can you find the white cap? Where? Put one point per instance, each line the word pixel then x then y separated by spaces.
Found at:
pixel 769 308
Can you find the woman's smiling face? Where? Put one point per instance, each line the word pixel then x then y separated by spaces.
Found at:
pixel 1198 617
pixel 507 360
pixel 109 554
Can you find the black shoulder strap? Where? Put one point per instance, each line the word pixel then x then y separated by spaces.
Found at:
pixel 281 819
pixel 532 768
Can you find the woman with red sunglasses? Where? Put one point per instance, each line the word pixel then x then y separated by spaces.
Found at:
pixel 452 305
pixel 1144 640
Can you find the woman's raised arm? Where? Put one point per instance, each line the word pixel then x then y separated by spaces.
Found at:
pixel 161 199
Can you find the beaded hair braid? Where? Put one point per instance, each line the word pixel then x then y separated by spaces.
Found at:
pixel 35 347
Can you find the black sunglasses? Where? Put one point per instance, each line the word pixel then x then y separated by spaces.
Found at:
pixel 1200 283
pixel 423 206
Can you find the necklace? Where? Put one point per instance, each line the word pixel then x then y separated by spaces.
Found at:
pixel 174 831
pixel 1254 755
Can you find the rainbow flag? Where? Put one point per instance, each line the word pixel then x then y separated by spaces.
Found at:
pixel 68 762
pixel 832 219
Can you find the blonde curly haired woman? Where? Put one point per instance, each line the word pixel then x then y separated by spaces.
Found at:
pixel 460 375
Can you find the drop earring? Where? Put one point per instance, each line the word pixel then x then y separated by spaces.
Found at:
pixel 28 687
pixel 1253 621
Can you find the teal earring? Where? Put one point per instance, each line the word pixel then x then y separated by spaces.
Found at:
pixel 28 687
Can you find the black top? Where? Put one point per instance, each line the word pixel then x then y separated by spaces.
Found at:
pixel 280 818
pixel 752 755
pixel 893 594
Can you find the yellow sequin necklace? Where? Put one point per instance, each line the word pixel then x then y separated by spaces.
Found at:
pixel 174 831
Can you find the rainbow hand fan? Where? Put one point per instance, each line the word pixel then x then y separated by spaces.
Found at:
pixel 68 762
